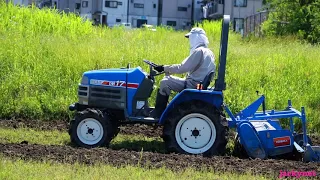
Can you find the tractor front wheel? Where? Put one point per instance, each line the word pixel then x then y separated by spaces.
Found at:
pixel 91 128
pixel 195 128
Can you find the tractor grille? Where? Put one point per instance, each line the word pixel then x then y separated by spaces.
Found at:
pixel 83 91
pixel 106 97
pixel 106 93
pixel 104 90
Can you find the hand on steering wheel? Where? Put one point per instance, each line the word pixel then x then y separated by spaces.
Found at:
pixel 159 68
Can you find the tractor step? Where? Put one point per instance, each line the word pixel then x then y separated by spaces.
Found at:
pixel 144 119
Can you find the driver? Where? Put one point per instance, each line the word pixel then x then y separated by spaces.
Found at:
pixel 197 65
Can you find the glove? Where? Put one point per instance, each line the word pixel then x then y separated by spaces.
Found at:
pixel 159 68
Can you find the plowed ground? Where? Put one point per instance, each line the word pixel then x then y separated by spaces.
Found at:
pixel 176 162
pixel 63 126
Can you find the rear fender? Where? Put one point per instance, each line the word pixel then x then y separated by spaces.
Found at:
pixel 212 97
pixel 250 140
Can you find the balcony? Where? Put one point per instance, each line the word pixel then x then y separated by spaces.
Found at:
pixel 214 10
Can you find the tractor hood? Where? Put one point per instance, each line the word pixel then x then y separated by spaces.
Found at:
pixel 113 77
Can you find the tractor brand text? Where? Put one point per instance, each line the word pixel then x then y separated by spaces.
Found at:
pixel 114 83
pixel 281 141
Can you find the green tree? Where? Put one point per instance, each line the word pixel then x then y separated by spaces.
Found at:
pixel 299 17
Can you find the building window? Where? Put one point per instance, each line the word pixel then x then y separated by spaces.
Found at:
pixel 154 6
pixel 171 23
pixel 78 5
pixel 111 4
pixel 182 8
pixel 221 1
pixel 84 4
pixel 238 24
pixel 137 5
pixel 119 3
pixel 118 20
pixel 240 3
pixel 212 8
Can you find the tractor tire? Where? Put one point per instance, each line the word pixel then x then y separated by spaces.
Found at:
pixel 91 128
pixel 70 131
pixel 196 128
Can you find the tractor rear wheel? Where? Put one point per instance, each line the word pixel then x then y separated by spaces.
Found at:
pixel 91 128
pixel 196 128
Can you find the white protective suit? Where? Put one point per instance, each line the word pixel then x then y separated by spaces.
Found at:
pixel 197 65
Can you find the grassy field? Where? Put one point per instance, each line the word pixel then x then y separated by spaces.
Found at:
pixel 18 169
pixel 43 55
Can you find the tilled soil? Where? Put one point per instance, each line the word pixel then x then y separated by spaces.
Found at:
pixel 35 124
pixel 130 129
pixel 176 162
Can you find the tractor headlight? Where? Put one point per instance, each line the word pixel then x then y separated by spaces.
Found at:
pixel 84 80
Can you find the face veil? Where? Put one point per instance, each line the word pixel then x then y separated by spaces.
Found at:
pixel 197 37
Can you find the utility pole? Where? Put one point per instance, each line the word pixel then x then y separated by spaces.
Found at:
pixel 128 11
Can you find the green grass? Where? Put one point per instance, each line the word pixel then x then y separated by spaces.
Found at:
pixel 43 55
pixel 19 169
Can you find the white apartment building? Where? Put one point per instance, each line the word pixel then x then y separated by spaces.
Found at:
pixel 237 9
pixel 176 13
pixel 143 12
pixel 180 14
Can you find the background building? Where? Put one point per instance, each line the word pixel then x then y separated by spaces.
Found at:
pixel 180 14
pixel 237 9
pixel 143 12
pixel 177 13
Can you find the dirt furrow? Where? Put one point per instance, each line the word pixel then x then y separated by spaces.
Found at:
pixel 176 162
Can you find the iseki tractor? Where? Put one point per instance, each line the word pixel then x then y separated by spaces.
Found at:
pixel 194 121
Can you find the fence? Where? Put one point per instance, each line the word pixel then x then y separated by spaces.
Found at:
pixel 252 24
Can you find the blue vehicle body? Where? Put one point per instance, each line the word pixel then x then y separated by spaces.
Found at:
pixel 130 81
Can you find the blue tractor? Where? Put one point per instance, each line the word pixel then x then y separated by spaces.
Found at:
pixel 193 122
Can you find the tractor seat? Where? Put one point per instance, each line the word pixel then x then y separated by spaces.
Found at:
pixel 207 80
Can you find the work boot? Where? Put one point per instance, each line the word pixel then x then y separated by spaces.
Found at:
pixel 161 104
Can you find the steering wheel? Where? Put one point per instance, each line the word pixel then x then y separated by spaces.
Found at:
pixel 152 65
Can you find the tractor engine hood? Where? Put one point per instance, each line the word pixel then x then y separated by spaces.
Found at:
pixel 126 89
pixel 114 77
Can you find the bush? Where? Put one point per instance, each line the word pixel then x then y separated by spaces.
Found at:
pixel 299 18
